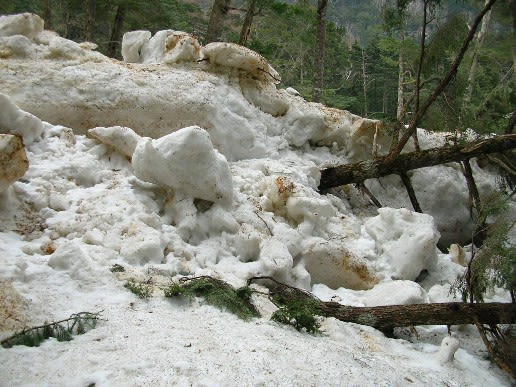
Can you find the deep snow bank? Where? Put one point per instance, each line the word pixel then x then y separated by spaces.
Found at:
pixel 199 168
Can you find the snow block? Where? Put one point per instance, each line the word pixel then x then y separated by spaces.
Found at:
pixel 187 162
pixel 242 58
pixel 395 293
pixel 181 47
pixel 122 139
pixel 334 266
pixel 132 43
pixel 405 239
pixel 26 24
pixel 16 121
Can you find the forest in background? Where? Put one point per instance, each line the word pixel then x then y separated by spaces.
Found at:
pixel 371 53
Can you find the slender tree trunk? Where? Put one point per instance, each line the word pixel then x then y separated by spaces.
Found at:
pixel 382 166
pixel 411 193
pixel 421 54
pixel 400 110
pixel 320 43
pixel 420 66
pixel 513 14
pixel 90 22
pixel 510 125
pixel 474 62
pixel 216 23
pixel 248 21
pixel 116 32
pixel 364 81
pixel 47 15
pixel 480 232
pixel 67 22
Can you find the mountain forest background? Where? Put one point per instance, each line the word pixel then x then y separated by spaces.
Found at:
pixel 371 54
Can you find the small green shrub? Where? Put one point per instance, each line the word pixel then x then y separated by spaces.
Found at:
pixel 216 293
pixel 116 268
pixel 174 290
pixel 140 289
pixel 297 309
pixel 494 264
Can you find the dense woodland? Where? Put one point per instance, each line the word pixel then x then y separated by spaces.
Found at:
pixel 371 51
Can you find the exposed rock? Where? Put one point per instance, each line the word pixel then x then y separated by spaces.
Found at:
pixel 13 160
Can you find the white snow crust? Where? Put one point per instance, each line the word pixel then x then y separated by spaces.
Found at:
pixel 191 170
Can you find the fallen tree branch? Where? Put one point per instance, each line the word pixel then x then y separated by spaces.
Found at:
pixel 411 193
pixel 62 330
pixel 385 318
pixel 388 317
pixel 383 166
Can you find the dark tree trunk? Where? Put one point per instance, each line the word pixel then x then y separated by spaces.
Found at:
pixel 382 166
pixel 47 14
pixel 411 193
pixel 248 21
pixel 385 318
pixel 90 22
pixel 216 23
pixel 116 32
pixel 320 43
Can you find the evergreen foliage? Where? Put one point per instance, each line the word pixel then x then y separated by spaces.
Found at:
pixel 140 289
pixel 298 309
pixel 217 293
pixel 76 324
pixel 494 264
pixel 116 268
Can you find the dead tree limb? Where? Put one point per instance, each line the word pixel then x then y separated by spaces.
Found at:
pixel 475 205
pixel 362 187
pixel 411 193
pixel 382 166
pixel 385 318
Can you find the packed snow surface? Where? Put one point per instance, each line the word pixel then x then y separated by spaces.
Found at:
pixel 203 167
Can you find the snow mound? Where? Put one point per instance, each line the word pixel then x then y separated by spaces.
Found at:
pixel 205 168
